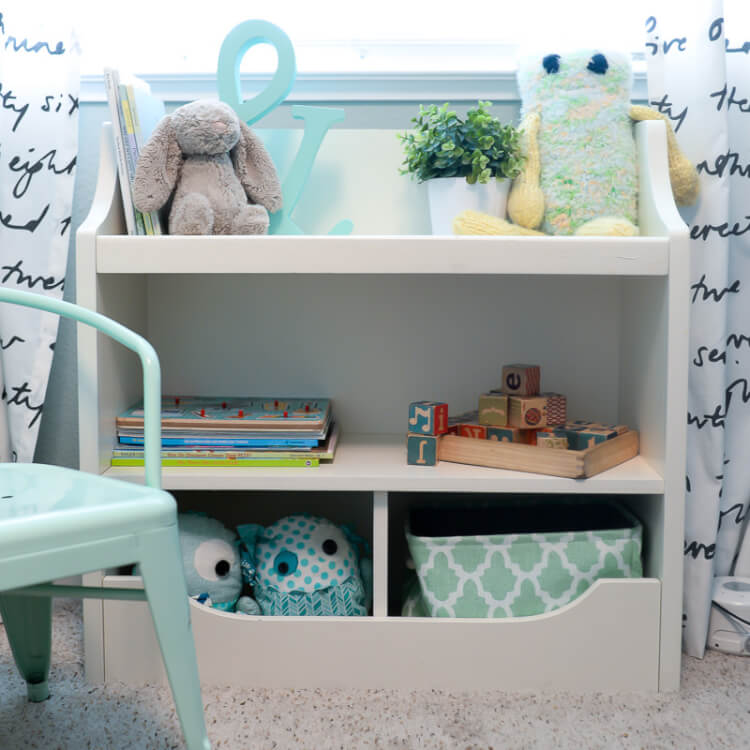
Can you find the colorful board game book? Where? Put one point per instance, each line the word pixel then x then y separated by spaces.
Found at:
pixel 243 463
pixel 244 413
pixel 325 451
pixel 239 431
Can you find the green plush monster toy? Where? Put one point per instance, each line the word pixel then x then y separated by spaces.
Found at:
pixel 580 175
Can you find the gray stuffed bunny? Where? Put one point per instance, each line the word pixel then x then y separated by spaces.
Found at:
pixel 219 174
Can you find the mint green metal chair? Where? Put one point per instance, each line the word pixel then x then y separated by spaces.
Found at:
pixel 57 522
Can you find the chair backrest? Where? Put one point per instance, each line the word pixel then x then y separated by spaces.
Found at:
pixel 129 339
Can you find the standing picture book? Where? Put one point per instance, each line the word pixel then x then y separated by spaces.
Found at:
pixel 134 115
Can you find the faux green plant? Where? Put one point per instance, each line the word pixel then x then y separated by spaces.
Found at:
pixel 479 147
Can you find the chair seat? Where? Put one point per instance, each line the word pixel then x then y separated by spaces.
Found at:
pixel 41 505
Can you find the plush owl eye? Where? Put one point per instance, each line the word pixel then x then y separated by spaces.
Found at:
pixel 285 563
pixel 551 63
pixel 330 547
pixel 213 559
pixel 598 64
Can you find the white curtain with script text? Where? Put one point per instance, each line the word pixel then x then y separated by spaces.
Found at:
pixel 39 84
pixel 698 60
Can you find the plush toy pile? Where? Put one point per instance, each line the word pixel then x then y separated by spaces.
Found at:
pixel 580 175
pixel 299 565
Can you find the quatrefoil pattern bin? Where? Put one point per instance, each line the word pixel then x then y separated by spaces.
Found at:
pixel 518 574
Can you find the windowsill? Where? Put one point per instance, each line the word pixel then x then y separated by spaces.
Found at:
pixel 467 86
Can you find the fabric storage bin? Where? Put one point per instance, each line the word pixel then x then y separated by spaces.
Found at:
pixel 524 558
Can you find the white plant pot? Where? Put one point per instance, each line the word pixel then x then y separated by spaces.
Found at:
pixel 449 196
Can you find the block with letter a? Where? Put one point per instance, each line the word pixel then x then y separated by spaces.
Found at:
pixel 428 418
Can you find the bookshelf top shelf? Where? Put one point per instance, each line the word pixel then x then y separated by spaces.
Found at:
pixel 375 462
pixel 411 254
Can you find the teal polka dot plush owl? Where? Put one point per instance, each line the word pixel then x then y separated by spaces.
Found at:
pixel 306 565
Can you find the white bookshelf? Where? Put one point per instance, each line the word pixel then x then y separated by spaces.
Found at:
pixel 375 321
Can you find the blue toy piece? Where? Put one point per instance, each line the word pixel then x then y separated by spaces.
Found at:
pixel 306 565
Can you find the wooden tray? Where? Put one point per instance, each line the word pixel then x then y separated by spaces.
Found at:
pixel 560 463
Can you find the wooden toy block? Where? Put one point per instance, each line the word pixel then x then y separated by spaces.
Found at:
pixel 505 434
pixel 551 440
pixel 468 417
pixel 530 437
pixel 534 412
pixel 580 438
pixel 618 428
pixel 472 430
pixel 422 450
pixel 521 380
pixel 493 409
pixel 428 418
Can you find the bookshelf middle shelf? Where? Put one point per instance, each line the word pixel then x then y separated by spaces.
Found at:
pixel 377 462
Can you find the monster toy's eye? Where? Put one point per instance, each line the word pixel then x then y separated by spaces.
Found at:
pixel 330 547
pixel 551 63
pixel 598 64
pixel 285 563
pixel 222 568
pixel 213 559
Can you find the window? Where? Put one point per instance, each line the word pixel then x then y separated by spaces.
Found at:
pixel 345 36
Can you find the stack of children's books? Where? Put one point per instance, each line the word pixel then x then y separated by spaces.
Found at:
pixel 242 432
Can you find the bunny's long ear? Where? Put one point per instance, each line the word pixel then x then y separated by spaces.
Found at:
pixel 256 171
pixel 159 165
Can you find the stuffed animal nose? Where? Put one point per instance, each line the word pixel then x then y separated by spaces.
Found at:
pixel 285 563
pixel 219 126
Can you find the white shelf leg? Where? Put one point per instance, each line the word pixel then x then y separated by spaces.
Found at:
pixel 380 554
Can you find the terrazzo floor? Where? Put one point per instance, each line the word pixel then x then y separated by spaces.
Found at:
pixel 712 710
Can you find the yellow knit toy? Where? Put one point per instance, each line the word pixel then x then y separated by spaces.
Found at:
pixel 576 126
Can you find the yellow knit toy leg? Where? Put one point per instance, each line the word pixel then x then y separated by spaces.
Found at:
pixel 607 226
pixel 474 222
pixel 682 174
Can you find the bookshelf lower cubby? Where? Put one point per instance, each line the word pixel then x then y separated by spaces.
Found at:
pixel 607 639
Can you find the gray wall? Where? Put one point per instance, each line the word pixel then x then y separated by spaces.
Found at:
pixel 58 432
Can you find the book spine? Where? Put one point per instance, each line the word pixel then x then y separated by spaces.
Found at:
pixel 271 454
pixel 245 463
pixel 152 220
pixel 225 443
pixel 131 156
pixel 111 83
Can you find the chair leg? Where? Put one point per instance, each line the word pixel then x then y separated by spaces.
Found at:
pixel 164 582
pixel 28 624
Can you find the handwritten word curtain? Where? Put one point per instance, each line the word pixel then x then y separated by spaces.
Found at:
pixel 699 75
pixel 39 84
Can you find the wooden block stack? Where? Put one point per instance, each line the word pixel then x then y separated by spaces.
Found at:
pixel 519 407
pixel 428 420
pixel 516 412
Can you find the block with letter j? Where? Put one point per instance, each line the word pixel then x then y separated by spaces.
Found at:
pixel 428 418
pixel 422 450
